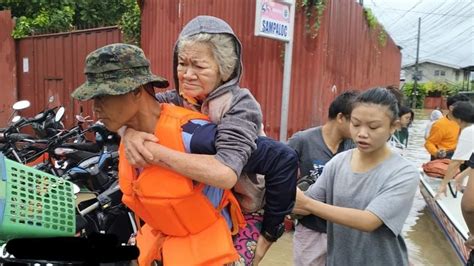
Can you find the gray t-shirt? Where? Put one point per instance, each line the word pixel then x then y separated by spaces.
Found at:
pixel 313 153
pixel 386 190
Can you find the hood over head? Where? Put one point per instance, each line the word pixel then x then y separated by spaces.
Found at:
pixel 211 25
pixel 435 115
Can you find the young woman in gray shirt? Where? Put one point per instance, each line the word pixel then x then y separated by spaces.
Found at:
pixel 365 193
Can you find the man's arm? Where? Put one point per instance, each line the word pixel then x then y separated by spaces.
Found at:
pixel 142 150
pixel 453 169
pixel 199 167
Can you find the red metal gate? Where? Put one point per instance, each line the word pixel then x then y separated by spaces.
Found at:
pixel 53 65
pixel 345 55
pixel 7 67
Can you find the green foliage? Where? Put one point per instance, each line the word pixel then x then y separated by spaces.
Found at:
pixel 39 16
pixel 130 24
pixel 22 27
pixel 455 88
pixel 30 8
pixel 372 21
pixel 382 37
pixel 430 89
pixel 48 16
pixel 374 24
pixel 313 10
pixel 420 93
pixel 100 13
pixel 441 88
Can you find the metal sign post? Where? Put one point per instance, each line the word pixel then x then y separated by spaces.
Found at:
pixel 276 19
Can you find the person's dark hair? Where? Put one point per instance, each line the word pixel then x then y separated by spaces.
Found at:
pixel 148 88
pixel 397 93
pixel 342 104
pixel 380 96
pixel 463 111
pixel 405 110
pixel 456 98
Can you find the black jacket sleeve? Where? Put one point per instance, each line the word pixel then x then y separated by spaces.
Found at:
pixel 279 164
pixel 275 160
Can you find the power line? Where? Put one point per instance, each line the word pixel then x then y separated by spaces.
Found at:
pixel 452 45
pixel 427 13
pixel 404 14
pixel 434 26
pixel 444 30
pixel 427 19
pixel 451 23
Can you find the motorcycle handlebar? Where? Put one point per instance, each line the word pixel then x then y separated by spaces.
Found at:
pixel 102 199
pixel 20 137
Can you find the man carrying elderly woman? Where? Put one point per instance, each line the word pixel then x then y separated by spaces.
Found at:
pixel 163 140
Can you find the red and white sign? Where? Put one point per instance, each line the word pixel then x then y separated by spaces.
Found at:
pixel 272 19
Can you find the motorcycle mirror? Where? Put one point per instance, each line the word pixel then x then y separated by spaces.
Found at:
pixel 75 189
pixel 16 118
pixel 59 114
pixel 20 105
pixel 39 116
pixel 80 119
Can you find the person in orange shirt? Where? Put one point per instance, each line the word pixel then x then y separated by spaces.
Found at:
pixel 444 133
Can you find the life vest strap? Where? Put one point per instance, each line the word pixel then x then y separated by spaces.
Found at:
pixel 236 216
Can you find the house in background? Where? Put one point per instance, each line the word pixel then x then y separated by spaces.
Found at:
pixel 440 73
pixel 468 78
pixel 402 78
pixel 429 70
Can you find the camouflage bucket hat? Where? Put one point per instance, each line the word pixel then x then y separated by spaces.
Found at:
pixel 116 69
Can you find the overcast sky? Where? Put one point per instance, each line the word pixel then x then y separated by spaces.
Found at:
pixel 447 28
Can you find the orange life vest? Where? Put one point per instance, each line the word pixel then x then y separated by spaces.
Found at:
pixel 437 168
pixel 182 226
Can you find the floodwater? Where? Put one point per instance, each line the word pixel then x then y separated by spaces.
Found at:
pixel 427 245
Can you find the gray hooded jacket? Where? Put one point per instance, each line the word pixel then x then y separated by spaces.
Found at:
pixel 234 109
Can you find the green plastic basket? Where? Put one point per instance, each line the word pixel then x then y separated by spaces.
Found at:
pixel 34 203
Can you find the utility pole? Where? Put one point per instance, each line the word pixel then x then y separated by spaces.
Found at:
pixel 417 76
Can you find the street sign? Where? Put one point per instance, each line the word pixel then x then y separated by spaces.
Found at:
pixel 275 19
pixel 272 19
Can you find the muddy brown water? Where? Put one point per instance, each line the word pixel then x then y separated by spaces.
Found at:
pixel 427 245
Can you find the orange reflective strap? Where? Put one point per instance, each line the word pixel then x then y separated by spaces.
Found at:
pixel 213 246
pixel 182 226
pixel 236 216
pixel 150 243
pixel 137 222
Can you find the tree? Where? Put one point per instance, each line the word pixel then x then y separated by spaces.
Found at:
pixel 48 16
pixel 430 89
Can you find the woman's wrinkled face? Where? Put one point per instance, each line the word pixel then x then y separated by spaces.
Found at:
pixel 198 71
pixel 115 110
pixel 405 120
pixel 371 126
